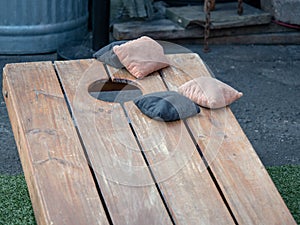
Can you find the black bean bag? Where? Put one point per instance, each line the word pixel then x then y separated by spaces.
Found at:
pixel 166 106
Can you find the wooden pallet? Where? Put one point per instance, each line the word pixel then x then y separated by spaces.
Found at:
pixel 253 27
pixel 224 16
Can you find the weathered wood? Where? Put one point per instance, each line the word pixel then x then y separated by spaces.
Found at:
pixel 173 158
pixel 158 29
pixel 182 177
pixel 139 9
pixel 145 84
pixel 245 183
pixel 60 184
pixel 123 176
pixel 121 145
pixel 168 30
pixel 263 38
pixel 224 16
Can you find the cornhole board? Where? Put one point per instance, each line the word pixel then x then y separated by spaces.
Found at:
pixel 89 161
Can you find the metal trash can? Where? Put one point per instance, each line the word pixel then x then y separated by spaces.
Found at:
pixel 40 26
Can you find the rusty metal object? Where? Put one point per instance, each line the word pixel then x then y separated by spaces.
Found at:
pixel 240 7
pixel 209 5
pixel 207 8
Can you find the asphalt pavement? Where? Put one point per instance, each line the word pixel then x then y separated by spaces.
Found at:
pixel 268 112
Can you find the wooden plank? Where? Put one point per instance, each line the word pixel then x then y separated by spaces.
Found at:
pixel 122 174
pixel 179 170
pixel 139 9
pixel 60 184
pixel 167 30
pixel 145 84
pixel 284 38
pixel 224 16
pixel 246 185
pixel 182 177
pixel 157 29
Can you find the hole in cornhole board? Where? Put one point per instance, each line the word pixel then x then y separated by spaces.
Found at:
pixel 110 91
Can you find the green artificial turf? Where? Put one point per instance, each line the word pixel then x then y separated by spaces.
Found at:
pixel 15 205
pixel 287 181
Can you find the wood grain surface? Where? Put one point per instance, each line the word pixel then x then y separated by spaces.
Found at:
pixel 123 176
pixel 224 16
pixel 88 161
pixel 60 184
pixel 245 183
pixel 182 177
